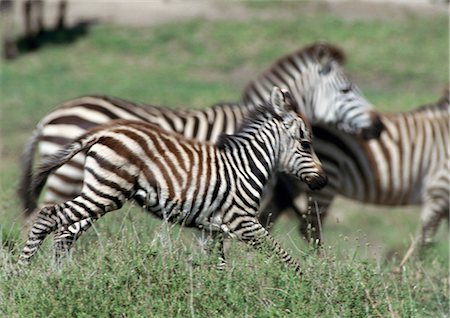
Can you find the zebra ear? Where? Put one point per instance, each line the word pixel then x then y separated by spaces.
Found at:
pixel 276 98
pixel 289 102
pixel 325 69
pixel 281 100
pixel 324 57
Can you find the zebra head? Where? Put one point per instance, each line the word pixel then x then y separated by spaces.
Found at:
pixel 297 157
pixel 322 91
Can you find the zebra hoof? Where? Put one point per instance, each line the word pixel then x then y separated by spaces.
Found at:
pixel 397 270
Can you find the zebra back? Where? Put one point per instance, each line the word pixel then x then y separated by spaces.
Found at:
pixel 71 120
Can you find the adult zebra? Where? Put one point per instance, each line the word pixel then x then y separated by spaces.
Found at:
pixel 197 184
pixel 313 74
pixel 408 165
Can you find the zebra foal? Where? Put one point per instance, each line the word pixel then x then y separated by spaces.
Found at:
pixel 216 187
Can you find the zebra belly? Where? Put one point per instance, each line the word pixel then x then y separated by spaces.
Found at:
pixel 175 211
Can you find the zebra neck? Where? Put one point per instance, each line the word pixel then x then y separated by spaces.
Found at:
pixel 254 155
pixel 306 102
pixel 302 83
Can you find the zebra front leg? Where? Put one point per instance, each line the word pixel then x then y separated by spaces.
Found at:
pixel 218 249
pixel 65 237
pixel 276 200
pixel 254 234
pixel 312 209
pixel 432 213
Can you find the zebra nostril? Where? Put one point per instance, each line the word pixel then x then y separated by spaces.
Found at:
pixel 317 181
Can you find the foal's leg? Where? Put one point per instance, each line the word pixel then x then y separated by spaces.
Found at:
pixel 65 237
pixel 61 215
pixel 253 233
pixel 311 207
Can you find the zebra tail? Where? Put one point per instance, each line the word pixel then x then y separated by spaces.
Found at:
pixel 57 160
pixel 26 164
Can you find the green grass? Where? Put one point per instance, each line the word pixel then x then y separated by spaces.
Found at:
pixel 133 266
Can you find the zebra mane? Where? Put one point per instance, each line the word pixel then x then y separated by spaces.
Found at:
pixel 262 112
pixel 445 98
pixel 319 52
pixel 443 104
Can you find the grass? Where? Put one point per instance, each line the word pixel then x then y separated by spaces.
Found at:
pixel 133 265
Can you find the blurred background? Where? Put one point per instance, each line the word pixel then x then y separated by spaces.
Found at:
pixel 197 53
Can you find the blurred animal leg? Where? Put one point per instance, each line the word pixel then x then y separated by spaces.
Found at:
pixel 254 234
pixel 65 237
pixel 435 208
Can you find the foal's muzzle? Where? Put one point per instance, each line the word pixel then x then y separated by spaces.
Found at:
pixel 316 181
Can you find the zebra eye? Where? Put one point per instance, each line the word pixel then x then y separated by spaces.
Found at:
pixel 346 89
pixel 306 145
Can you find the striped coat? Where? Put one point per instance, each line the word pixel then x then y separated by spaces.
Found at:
pixel 217 187
pixel 313 74
pixel 408 165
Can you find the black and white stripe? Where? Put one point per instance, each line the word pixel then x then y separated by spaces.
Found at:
pixel 321 89
pixel 408 165
pixel 217 187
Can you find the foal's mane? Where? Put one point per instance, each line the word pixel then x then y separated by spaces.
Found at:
pixel 260 113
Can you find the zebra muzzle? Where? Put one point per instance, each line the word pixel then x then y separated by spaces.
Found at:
pixel 316 181
pixel 374 130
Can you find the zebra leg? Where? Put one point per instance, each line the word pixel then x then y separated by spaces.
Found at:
pixel 63 215
pixel 65 237
pixel 219 248
pixel 312 208
pixel 215 242
pixel 430 223
pixel 254 234
pixel 276 200
pixel 45 223
pixel 435 209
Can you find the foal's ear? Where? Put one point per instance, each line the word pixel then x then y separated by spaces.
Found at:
pixel 281 100
pixel 277 98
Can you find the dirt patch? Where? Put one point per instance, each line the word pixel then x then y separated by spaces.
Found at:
pixel 156 12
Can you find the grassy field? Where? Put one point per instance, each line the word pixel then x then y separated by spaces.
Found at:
pixel 133 265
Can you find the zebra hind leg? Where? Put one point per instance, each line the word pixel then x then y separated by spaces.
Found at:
pixel 45 223
pixel 213 244
pixel 65 237
pixel 431 217
pixel 62 215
